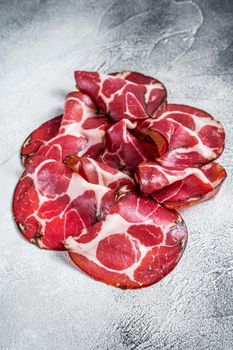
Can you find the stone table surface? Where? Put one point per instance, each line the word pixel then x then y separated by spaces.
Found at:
pixel 45 303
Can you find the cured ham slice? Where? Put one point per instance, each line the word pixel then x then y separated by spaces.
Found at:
pixel 48 194
pixel 102 174
pixel 121 228
pixel 127 95
pixel 81 131
pixel 189 186
pixel 186 136
pixel 123 150
pixel 152 176
pixel 93 127
pixel 137 244
pixel 52 202
pixel 39 137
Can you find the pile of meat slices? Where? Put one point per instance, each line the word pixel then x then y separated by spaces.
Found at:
pixel 104 179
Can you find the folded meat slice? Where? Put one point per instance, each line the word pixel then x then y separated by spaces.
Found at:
pixel 49 195
pixel 129 95
pixel 98 173
pixel 92 125
pixel 39 137
pixel 51 202
pixel 123 150
pixel 185 136
pixel 137 244
pixel 179 188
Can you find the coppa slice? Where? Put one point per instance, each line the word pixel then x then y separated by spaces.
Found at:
pixel 102 174
pixel 178 189
pixel 152 176
pixel 44 194
pixel 92 125
pixel 52 202
pixel 186 136
pixel 81 121
pixel 137 244
pixel 127 95
pixel 123 150
pixel 39 137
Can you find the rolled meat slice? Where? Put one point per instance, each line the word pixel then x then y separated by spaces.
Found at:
pixel 185 136
pixel 122 95
pixel 137 244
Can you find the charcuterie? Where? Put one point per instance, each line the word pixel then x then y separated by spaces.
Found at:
pixel 105 179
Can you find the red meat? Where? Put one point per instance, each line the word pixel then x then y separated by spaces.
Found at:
pixel 179 188
pixel 123 150
pixel 73 195
pixel 137 244
pixel 98 173
pixel 50 200
pixel 186 136
pixel 127 95
pixel 39 137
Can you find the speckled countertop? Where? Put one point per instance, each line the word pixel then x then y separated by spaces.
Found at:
pixel 45 302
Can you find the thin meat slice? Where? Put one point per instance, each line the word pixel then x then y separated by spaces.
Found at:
pixel 92 127
pixel 127 95
pixel 81 131
pixel 98 173
pixel 123 150
pixel 137 244
pixel 180 188
pixel 48 194
pixel 186 136
pixel 52 202
pixel 39 137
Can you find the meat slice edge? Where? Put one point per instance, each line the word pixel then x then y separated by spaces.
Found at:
pixel 39 137
pixel 45 193
pixel 123 95
pixel 186 136
pixel 137 244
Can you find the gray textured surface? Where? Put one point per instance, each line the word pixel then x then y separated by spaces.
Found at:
pixel 45 302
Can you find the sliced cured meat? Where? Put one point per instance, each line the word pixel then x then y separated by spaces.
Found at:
pixel 152 176
pixel 81 131
pixel 92 126
pixel 73 195
pixel 49 192
pixel 186 136
pixel 137 244
pixel 127 95
pixel 123 150
pixel 179 188
pixel 102 174
pixel 39 137
pixel 53 202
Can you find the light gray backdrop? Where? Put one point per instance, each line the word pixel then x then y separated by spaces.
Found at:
pixel 45 302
